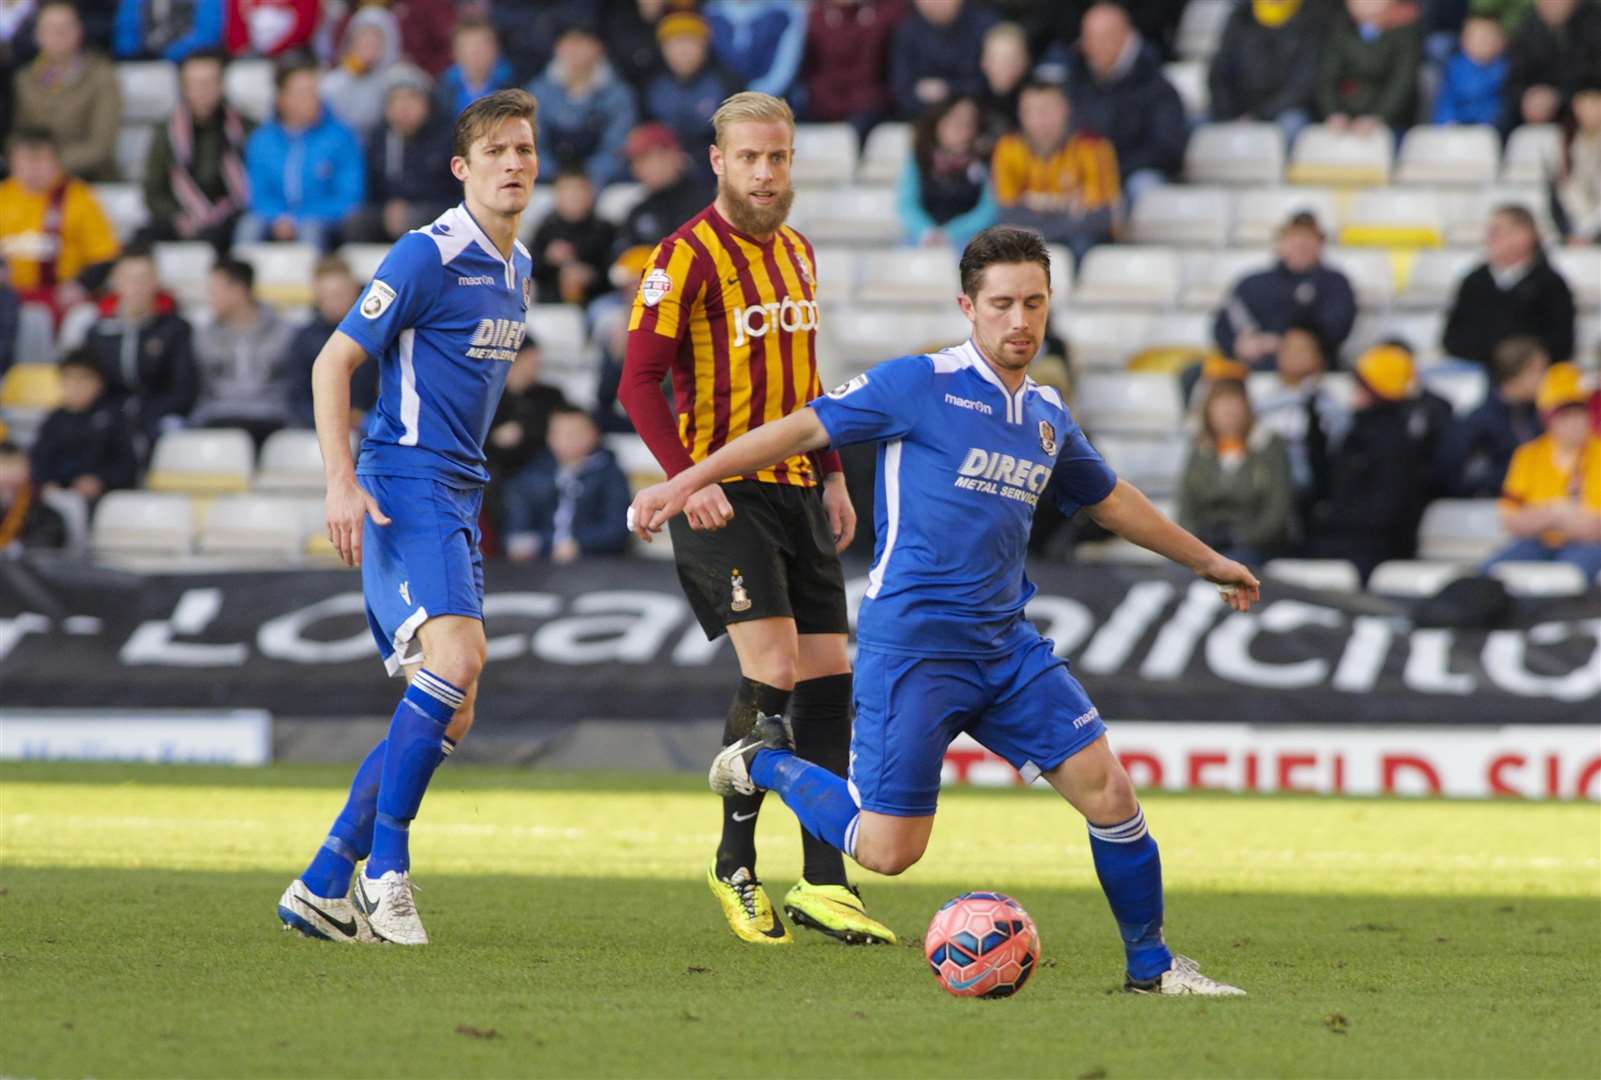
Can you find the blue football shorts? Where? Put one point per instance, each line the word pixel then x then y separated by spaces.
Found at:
pixel 425 563
pixel 1022 705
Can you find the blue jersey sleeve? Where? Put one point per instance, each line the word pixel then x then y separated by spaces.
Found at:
pixel 406 283
pixel 1082 476
pixel 881 403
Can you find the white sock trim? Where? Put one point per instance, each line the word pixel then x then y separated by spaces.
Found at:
pixel 850 835
pixel 1126 832
pixel 438 689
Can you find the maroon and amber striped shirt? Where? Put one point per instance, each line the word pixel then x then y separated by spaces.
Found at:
pixel 735 320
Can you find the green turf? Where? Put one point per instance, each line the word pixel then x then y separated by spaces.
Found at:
pixel 573 936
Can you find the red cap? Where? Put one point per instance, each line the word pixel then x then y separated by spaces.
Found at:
pixel 648 137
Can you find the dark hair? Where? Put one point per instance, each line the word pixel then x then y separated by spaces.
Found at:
pixel 472 24
pixel 8 448
pixel 137 249
pixel 1225 388
pixel 1512 357
pixel 36 137
pixel 1518 214
pixel 1032 85
pixel 84 360
pixel 210 52
pixel 332 264
pixel 925 132
pixel 1001 244
pixel 237 271
pixel 1315 332
pixel 1302 219
pixel 1396 341
pixel 573 171
pixel 289 65
pixel 567 408
pixel 490 111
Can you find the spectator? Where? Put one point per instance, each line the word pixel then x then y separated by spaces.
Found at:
pixel 243 355
pixel 1005 62
pixel 356 88
pixel 585 111
pixel 53 232
pixel 10 320
pixel 1266 65
pixel 1118 91
pixel 1236 493
pixel 1556 48
pixel 1579 190
pixel 760 41
pixel 1298 288
pixel 1472 91
pixel 673 192
pixel 335 291
pixel 945 195
pixel 529 32
pixel 145 349
pixel 72 94
pixel 572 501
pixel 1430 416
pixel 1373 488
pixel 1302 412
pixel 84 446
pixel 935 53
pixel 17 49
pixel 1480 446
pixel 572 247
pixel 690 87
pixel 608 328
pixel 479 68
pixel 1515 291
pixel 425 31
pixel 409 183
pixel 522 419
pixel 25 521
pixel 171 31
pixel 269 27
pixel 845 74
pixel 1062 184
pixel 305 167
pixel 1552 499
pixel 1369 72
pixel 195 184
pixel 629 27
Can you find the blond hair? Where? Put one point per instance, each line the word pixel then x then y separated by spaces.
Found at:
pixel 750 105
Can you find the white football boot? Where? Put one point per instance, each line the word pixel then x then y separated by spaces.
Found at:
pixel 1184 977
pixel 730 771
pixel 320 917
pixel 390 910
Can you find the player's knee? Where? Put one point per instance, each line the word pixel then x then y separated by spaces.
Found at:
pixel 775 668
pixel 1116 800
pixel 895 857
pixel 458 661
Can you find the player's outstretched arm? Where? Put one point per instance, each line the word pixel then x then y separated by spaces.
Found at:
pixel 798 433
pixel 1129 514
pixel 345 504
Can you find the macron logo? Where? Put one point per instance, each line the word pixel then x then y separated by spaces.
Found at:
pixel 476 279
pixel 969 403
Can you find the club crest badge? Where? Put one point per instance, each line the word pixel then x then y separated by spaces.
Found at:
pixel 655 286
pixel 528 291
pixel 1047 438
pixel 741 598
pixel 806 275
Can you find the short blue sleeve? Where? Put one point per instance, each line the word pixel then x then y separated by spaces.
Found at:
pixel 1082 478
pixel 881 403
pixel 406 282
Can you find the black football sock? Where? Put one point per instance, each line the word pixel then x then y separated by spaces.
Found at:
pixel 821 716
pixel 738 845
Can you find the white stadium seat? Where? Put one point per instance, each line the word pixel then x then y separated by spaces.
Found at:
pixel 541 202
pixel 856 216
pixel 1135 276
pixel 248 86
pixel 1582 268
pixel 920 275
pixel 290 460
pixel 1338 158
pixel 1061 273
pixel 149 91
pixel 633 456
pixel 1541 578
pixel 124 204
pixel 1235 153
pixel 1413 577
pixel 1463 530
pixel 1419 329
pixel 1180 329
pixel 143 523
pixel 1210 275
pixel 133 147
pixel 1533 153
pixel 559 330
pixel 866 336
pixel 1467 216
pixel 1372 276
pixel 1259 212
pixel 1326 575
pixel 253 526
pixel 1464 387
pixel 1417 211
pixel 202 461
pixel 1103 338
pixel 1435 275
pixel 1449 155
pixel 283 271
pixel 616 201
pixel 1134 403
pixel 1201 27
pixel 1189 79
pixel 364 259
pixel 888 148
pixel 1185 216
pixel 1154 465
pixel 837 273
pixel 825 155
pixel 183 267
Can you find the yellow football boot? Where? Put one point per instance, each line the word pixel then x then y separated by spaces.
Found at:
pixel 745 905
pixel 837 911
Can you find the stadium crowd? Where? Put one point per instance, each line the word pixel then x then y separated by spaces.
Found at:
pixel 1058 116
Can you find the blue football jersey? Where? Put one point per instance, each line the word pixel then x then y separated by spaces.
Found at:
pixel 444 316
pixel 963 463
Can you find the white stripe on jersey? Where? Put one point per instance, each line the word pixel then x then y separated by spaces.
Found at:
pixel 892 514
pixel 410 403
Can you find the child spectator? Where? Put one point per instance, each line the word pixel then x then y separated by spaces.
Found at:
pixel 1480 446
pixel 25 521
pixel 305 167
pixel 195 185
pixel 53 234
pixel 1266 65
pixel 1236 493
pixel 935 51
pixel 72 94
pixel 241 353
pixel 479 68
pixel 572 247
pixel 1005 63
pixel 1579 192
pixel 761 41
pixel 335 290
pixel 845 73
pixel 1302 412
pixel 84 446
pixel 572 501
pixel 690 87
pixel 145 349
pixel 356 87
pixel 1298 288
pixel 585 110
pixel 945 195
pixel 408 163
pixel 1552 498
pixel 1515 291
pixel 1369 72
pixel 608 328
pixel 522 418
pixel 1471 90
pixel 1048 178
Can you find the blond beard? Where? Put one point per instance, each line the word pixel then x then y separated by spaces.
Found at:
pixel 754 220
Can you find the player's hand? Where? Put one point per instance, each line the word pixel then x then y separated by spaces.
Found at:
pixel 841 514
pixel 1235 583
pixel 345 507
pixel 708 510
pixel 654 507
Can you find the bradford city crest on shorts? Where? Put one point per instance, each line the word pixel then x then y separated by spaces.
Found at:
pixel 1047 438
pixel 741 599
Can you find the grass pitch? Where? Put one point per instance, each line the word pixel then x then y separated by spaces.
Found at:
pixel 573 936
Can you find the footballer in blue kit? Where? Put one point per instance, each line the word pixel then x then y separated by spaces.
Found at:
pixel 443 316
pixel 967 446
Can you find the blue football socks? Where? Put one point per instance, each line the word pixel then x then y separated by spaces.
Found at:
pixel 820 799
pixel 1130 869
pixel 350 839
pixel 415 747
